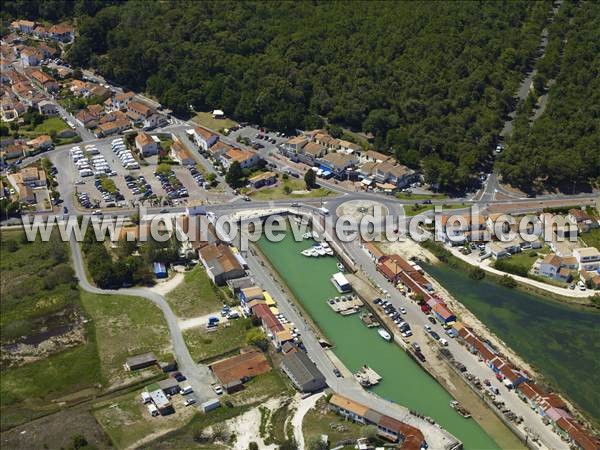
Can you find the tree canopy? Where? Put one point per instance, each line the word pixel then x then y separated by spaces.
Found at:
pixel 561 149
pixel 433 85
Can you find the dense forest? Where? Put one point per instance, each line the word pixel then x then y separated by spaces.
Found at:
pixel 432 83
pixel 561 149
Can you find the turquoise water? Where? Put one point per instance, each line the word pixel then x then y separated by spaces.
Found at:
pixel 404 381
pixel 560 341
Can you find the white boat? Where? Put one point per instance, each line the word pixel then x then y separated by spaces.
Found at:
pixel 307 252
pixel 328 252
pixel 307 236
pixel 320 251
pixel 384 334
pixel 341 267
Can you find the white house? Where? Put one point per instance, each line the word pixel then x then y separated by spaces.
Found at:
pixel 204 138
pixel 146 145
pixel 588 258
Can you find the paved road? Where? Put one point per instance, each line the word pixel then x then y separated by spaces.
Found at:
pixel 198 375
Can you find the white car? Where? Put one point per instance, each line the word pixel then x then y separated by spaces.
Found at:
pixel 443 342
pixel 189 401
pixel 403 310
pixel 217 388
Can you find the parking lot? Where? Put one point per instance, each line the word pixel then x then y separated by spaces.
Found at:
pixel 107 175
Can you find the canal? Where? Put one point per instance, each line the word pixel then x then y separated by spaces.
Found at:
pixel 404 381
pixel 560 341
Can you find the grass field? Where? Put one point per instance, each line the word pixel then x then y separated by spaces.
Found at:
pixel 279 191
pixel 524 260
pixel 204 345
pixel 28 391
pixel 261 388
pixel 51 124
pixel 320 420
pixel 206 119
pixel 125 326
pixel 591 238
pixel 196 295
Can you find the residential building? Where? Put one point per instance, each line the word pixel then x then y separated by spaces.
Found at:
pixel 311 152
pixel 63 33
pixel 303 372
pixel 112 127
pixel 138 111
pixel 87 119
pixel 263 179
pixel 122 99
pixel 396 174
pixel 43 80
pixel 146 145
pixel 550 265
pixel 246 158
pixel 24 26
pixel 388 428
pixel 31 57
pixel 155 120
pixel 337 163
pixel 47 108
pixel 220 263
pixel 204 138
pixel 345 146
pixel 40 143
pixel 373 156
pixel 588 258
pixel 242 367
pixel 585 222
pixel 181 154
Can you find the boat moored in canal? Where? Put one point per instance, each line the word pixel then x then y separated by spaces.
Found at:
pixel 384 334
pixel 460 410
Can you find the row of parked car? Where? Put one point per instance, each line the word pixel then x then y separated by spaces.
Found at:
pixel 198 177
pixel 124 154
pixel 396 315
pixel 139 186
pixel 171 184
pixel 109 197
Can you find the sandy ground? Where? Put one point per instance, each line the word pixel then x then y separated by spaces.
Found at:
pixel 165 287
pixel 247 427
pixel 200 320
pixel 360 208
pixel 302 407
pixel 407 249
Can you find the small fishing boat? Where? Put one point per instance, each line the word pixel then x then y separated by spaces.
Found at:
pixel 341 267
pixel 307 236
pixel 384 334
pixel 459 409
pixel 307 252
pixel 320 250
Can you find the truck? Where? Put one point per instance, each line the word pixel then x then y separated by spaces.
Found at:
pixel 213 321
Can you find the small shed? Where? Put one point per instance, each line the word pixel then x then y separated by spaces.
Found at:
pixel 140 361
pixel 170 386
pixel 210 405
pixel 233 386
pixel 160 270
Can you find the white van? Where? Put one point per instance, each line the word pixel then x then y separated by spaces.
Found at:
pixel 132 166
pixel 85 173
pixel 146 398
pixel 152 409
pixel 186 390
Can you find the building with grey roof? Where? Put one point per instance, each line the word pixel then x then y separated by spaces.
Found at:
pixel 303 372
pixel 140 361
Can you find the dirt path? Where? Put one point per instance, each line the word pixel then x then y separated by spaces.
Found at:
pixel 247 427
pixel 167 286
pixel 303 406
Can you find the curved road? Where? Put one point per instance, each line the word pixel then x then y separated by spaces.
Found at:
pixel 198 375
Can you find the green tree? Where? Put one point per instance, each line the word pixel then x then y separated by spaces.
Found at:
pixel 234 175
pixel 256 336
pixel 310 178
